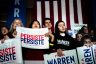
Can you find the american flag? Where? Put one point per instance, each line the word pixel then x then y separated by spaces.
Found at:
pixel 70 11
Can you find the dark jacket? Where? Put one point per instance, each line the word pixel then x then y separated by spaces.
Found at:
pixel 64 42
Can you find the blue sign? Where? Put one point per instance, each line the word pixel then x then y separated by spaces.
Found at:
pixel 17 9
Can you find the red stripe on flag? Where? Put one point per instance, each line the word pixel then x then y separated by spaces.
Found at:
pixel 67 14
pixel 34 16
pixel 51 14
pixel 59 10
pixel 75 11
pixel 84 11
pixel 42 10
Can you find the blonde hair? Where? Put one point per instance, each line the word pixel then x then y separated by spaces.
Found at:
pixel 11 27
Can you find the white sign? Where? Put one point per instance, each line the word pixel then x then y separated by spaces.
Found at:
pixel 85 55
pixel 94 53
pixel 10 52
pixel 75 30
pixel 0 42
pixel 72 33
pixel 33 38
pixel 69 57
pixel 79 26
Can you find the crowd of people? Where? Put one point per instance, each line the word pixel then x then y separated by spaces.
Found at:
pixel 59 40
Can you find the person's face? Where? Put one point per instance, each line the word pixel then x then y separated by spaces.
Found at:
pixel 85 30
pixel 17 23
pixel 4 30
pixel 79 36
pixel 87 41
pixel 48 24
pixel 92 32
pixel 61 27
pixel 35 24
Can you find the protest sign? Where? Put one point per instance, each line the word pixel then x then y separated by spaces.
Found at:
pixel 33 38
pixel 69 57
pixel 10 52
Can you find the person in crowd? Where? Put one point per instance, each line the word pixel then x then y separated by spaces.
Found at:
pixel 33 52
pixel 87 41
pixel 62 40
pixel 47 24
pixel 84 31
pixel 78 40
pixel 35 24
pixel 5 34
pixel 15 23
pixel 50 34
pixel 92 35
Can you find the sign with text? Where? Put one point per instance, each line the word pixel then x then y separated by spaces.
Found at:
pixel 75 30
pixel 10 52
pixel 69 57
pixel 17 9
pixel 85 55
pixel 94 53
pixel 33 38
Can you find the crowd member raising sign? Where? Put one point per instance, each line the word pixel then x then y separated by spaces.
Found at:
pixel 50 34
pixel 33 37
pixel 34 24
pixel 48 24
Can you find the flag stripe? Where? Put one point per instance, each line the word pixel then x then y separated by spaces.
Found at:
pixel 83 11
pixel 34 16
pixel 59 10
pixel 63 9
pixel 43 10
pixel 39 12
pixel 75 11
pixel 79 10
pixel 71 13
pixel 47 9
pixel 52 15
pixel 67 14
pixel 55 8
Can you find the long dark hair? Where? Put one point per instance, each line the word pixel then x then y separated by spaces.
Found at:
pixel 30 26
pixel 56 27
pixel 82 29
pixel 2 36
